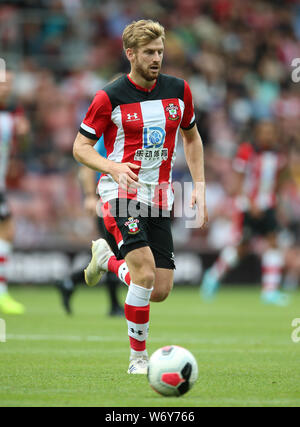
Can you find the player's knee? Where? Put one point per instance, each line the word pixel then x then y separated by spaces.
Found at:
pixel 144 276
pixel 148 278
pixel 142 268
pixel 159 295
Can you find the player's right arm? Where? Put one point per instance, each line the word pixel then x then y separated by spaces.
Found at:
pixel 93 126
pixel 240 163
pixel 84 152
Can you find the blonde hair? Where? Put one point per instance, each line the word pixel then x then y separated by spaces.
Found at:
pixel 140 33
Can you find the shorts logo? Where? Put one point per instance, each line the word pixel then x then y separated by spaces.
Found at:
pixel 173 112
pixel 132 225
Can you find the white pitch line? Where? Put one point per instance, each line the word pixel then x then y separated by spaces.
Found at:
pixel 70 338
pixel 259 347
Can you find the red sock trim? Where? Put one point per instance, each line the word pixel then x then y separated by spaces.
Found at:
pixel 138 315
pixel 113 264
pixel 137 345
pixel 128 278
pixel 271 270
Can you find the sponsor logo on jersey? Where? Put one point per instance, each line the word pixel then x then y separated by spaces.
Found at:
pixel 132 117
pixel 132 225
pixel 153 137
pixel 172 110
pixel 160 154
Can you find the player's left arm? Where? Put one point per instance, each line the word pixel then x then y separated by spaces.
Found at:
pixel 284 174
pixel 194 154
pixel 88 181
pixel 22 124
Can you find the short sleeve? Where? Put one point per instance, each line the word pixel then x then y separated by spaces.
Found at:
pixel 188 119
pixel 242 157
pixel 98 116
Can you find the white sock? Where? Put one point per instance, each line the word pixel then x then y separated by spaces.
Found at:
pixel 134 354
pixel 138 296
pixel 272 265
pixel 228 259
pixel 137 310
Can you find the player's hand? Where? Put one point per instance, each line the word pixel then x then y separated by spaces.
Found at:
pixel 122 173
pixel 22 126
pixel 198 201
pixel 90 204
pixel 255 211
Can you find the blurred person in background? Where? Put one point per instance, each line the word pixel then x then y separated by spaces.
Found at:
pixel 89 179
pixel 259 169
pixel 13 127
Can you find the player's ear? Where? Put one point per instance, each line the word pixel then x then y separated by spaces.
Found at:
pixel 130 54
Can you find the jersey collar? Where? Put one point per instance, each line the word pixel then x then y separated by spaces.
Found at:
pixel 140 87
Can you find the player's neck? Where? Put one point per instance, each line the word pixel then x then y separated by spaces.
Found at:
pixel 138 80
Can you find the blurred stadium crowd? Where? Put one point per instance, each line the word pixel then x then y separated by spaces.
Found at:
pixel 236 56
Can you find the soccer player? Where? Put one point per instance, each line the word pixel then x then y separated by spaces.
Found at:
pixel 140 116
pixel 88 179
pixel 13 125
pixel 259 167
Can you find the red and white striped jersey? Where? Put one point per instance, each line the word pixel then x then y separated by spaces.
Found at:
pixel 261 169
pixel 141 126
pixel 7 136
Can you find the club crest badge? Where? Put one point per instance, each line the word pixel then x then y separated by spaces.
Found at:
pixel 173 112
pixel 132 225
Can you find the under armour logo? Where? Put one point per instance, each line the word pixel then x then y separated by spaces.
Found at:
pixel 136 332
pixel 132 117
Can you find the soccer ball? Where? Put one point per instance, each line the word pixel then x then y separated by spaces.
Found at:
pixel 172 371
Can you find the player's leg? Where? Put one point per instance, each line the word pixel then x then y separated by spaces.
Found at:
pixel 154 270
pixel 272 267
pixel 67 287
pixel 228 258
pixel 141 265
pixel 111 281
pixel 106 254
pixel 164 279
pixel 7 304
pixel 161 243
pixel 292 268
pixel 128 238
pixel 272 260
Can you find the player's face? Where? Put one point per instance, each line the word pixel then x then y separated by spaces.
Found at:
pixel 266 135
pixel 147 60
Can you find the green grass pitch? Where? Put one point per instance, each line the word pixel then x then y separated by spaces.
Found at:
pixel 244 350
